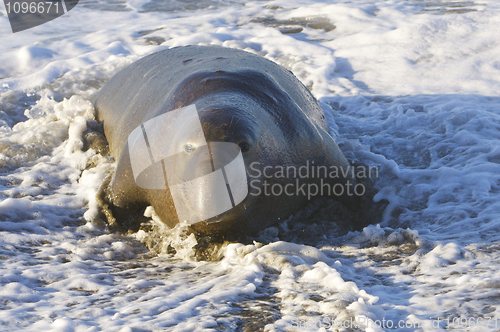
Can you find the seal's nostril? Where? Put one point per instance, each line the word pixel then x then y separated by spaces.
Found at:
pixel 189 148
pixel 244 146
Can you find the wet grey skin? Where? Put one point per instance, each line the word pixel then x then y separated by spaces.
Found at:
pixel 241 98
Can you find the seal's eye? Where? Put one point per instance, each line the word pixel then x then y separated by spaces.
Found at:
pixel 244 146
pixel 189 148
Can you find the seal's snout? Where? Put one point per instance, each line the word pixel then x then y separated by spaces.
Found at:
pixel 213 181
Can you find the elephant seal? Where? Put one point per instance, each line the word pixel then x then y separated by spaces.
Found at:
pixel 201 132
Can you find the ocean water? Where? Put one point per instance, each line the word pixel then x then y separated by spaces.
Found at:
pixel 412 87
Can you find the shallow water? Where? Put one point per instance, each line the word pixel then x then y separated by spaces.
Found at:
pixel 404 89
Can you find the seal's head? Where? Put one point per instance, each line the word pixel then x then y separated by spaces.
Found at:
pixel 205 154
